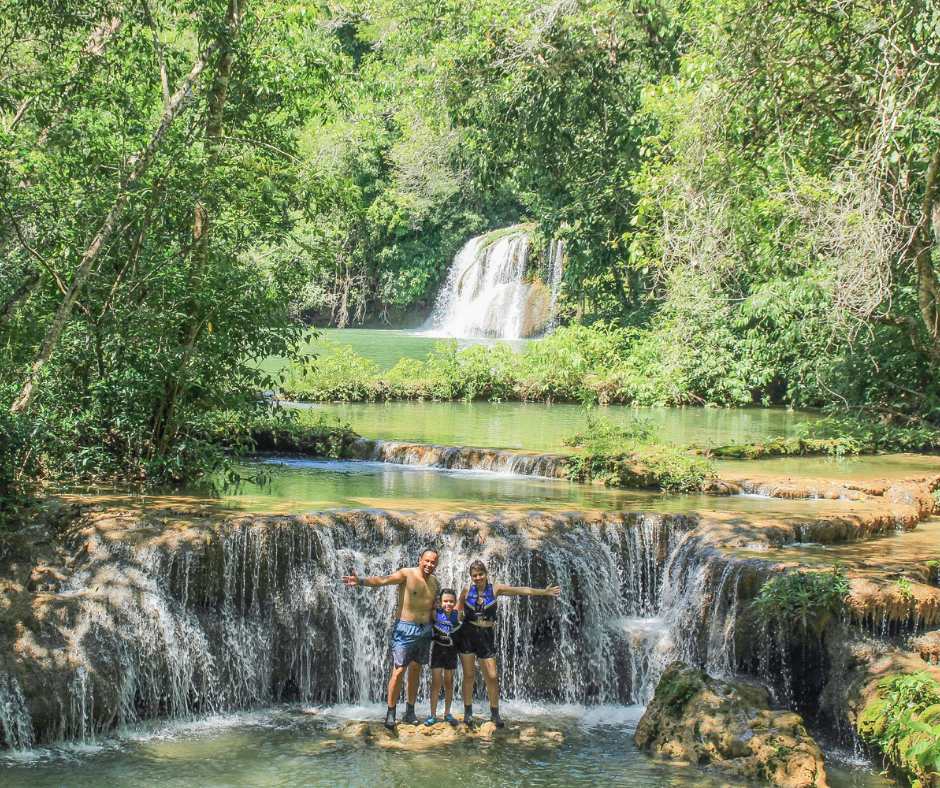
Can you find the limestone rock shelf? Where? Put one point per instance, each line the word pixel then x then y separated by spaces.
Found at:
pixel 362 733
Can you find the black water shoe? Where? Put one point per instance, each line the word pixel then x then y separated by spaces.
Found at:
pixel 495 718
pixel 409 719
pixel 468 720
pixel 390 722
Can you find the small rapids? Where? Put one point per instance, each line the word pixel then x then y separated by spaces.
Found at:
pixel 554 466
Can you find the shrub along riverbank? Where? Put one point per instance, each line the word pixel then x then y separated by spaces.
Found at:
pixel 574 364
pixel 602 365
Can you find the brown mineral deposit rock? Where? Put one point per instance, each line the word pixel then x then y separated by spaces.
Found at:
pixel 928 647
pixel 422 737
pixel 729 728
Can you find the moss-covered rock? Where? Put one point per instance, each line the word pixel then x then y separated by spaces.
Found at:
pixel 729 728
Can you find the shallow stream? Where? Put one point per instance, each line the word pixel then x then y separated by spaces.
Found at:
pixel 293 485
pixel 292 747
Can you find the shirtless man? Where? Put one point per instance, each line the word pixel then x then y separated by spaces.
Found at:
pixel 411 638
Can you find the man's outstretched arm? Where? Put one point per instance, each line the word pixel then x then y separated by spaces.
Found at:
pixel 394 579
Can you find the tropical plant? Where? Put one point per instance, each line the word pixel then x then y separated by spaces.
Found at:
pixel 904 722
pixel 803 599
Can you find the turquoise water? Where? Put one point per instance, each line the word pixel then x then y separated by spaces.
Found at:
pixel 292 747
pixel 870 466
pixel 537 426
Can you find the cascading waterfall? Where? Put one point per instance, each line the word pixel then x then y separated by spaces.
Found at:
pixel 552 276
pixel 16 726
pixel 254 612
pixel 459 458
pixel 486 293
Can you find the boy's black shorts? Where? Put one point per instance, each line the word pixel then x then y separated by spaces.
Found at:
pixel 444 657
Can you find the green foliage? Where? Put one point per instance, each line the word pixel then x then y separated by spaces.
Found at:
pixel 856 434
pixel 337 373
pixel 597 364
pixel 305 432
pixel 771 195
pixel 166 335
pixel 628 456
pixel 801 599
pixel 575 364
pixel 784 447
pixel 904 588
pixel 734 226
pixel 18 466
pixel 933 571
pixel 677 692
pixel 904 721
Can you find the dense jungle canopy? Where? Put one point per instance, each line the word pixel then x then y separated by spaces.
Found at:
pixel 748 194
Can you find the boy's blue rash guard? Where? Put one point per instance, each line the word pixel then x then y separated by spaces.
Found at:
pixel 445 626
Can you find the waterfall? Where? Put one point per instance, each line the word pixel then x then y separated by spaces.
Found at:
pixel 16 726
pixel 213 617
pixel 485 293
pixel 553 466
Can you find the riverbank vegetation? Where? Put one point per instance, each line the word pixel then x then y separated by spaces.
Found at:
pixel 184 186
pixel 903 721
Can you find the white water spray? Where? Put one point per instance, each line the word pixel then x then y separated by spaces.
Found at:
pixel 486 293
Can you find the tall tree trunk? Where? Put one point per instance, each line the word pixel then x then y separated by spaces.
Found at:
pixel 140 164
pixel 202 212
pixel 202 220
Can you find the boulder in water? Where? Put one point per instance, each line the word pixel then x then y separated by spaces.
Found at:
pixel 729 728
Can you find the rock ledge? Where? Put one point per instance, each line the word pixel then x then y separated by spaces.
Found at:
pixel 419 737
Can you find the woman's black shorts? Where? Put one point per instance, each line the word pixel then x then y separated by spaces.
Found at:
pixel 444 657
pixel 480 641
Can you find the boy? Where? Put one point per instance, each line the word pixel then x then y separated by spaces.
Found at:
pixel 444 655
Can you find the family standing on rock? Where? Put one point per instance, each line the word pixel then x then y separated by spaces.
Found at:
pixel 454 625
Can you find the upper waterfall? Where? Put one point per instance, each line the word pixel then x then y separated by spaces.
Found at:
pixel 492 290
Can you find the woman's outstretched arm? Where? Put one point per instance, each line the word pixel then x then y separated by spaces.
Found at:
pixel 501 590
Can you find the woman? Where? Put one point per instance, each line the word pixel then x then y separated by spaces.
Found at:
pixel 476 640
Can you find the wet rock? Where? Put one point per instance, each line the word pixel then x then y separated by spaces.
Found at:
pixel 361 733
pixel 899 601
pixel 729 728
pixel 928 647
pixel 855 693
